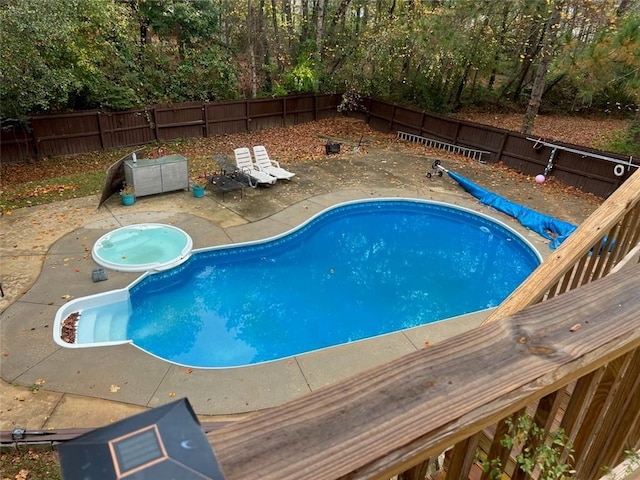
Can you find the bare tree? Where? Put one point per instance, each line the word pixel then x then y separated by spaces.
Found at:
pixel 321 8
pixel 251 47
pixel 546 56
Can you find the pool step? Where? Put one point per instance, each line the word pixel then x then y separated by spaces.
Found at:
pixel 111 326
pixel 85 327
pixel 119 324
pixel 102 328
pixel 97 327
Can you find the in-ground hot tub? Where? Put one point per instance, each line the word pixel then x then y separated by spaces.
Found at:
pixel 143 247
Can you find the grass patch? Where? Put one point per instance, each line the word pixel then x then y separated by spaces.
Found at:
pixel 31 463
pixel 623 142
pixel 50 190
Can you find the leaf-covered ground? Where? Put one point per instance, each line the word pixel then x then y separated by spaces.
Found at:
pixel 305 142
pixel 50 179
pixel 30 465
pixel 589 132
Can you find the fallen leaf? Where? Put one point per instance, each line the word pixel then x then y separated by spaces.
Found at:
pixel 23 474
pixel 576 327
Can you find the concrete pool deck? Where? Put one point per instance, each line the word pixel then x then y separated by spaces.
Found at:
pixel 46 257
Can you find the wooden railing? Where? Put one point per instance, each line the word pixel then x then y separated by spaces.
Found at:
pixel 572 362
pixel 590 253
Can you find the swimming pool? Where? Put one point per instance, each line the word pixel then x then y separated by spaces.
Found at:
pixel 354 271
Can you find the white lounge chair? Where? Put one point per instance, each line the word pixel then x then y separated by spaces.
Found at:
pixel 245 165
pixel 272 167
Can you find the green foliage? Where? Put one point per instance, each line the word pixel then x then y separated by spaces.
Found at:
pixel 37 59
pixel 607 70
pixel 536 450
pixel 63 54
pixel 302 78
pixel 633 460
pixel 82 54
pixel 625 142
pixel 58 55
pixel 203 75
pixel 187 23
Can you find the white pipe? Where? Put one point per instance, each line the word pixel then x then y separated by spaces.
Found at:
pixel 585 154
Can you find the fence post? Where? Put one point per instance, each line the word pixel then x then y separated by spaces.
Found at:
pixel 370 102
pixel 205 118
pixel 284 111
pixel 246 115
pixel 315 107
pixel 393 116
pixel 101 130
pixel 156 129
pixel 505 137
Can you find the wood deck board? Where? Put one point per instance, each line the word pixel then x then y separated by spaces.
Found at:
pixel 396 411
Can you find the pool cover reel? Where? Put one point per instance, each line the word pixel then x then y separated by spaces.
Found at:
pixel 551 228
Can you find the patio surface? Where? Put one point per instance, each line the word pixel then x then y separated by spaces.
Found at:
pixel 46 259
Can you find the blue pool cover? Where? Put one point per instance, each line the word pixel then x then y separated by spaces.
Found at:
pixel 549 227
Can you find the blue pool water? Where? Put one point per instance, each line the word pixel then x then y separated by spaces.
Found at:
pixel 359 270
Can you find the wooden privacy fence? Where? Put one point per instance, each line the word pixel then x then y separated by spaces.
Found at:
pixel 589 170
pixel 571 361
pixel 81 132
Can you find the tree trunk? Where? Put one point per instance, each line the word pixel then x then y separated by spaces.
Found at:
pixel 304 27
pixel 320 13
pixel 263 39
pixel 339 15
pixel 276 35
pixel 289 26
pixel 501 36
pixel 532 46
pixel 547 54
pixel 252 54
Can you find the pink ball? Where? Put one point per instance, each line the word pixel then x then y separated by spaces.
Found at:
pixel 540 178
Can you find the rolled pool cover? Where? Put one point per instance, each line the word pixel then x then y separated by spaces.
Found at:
pixel 550 228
